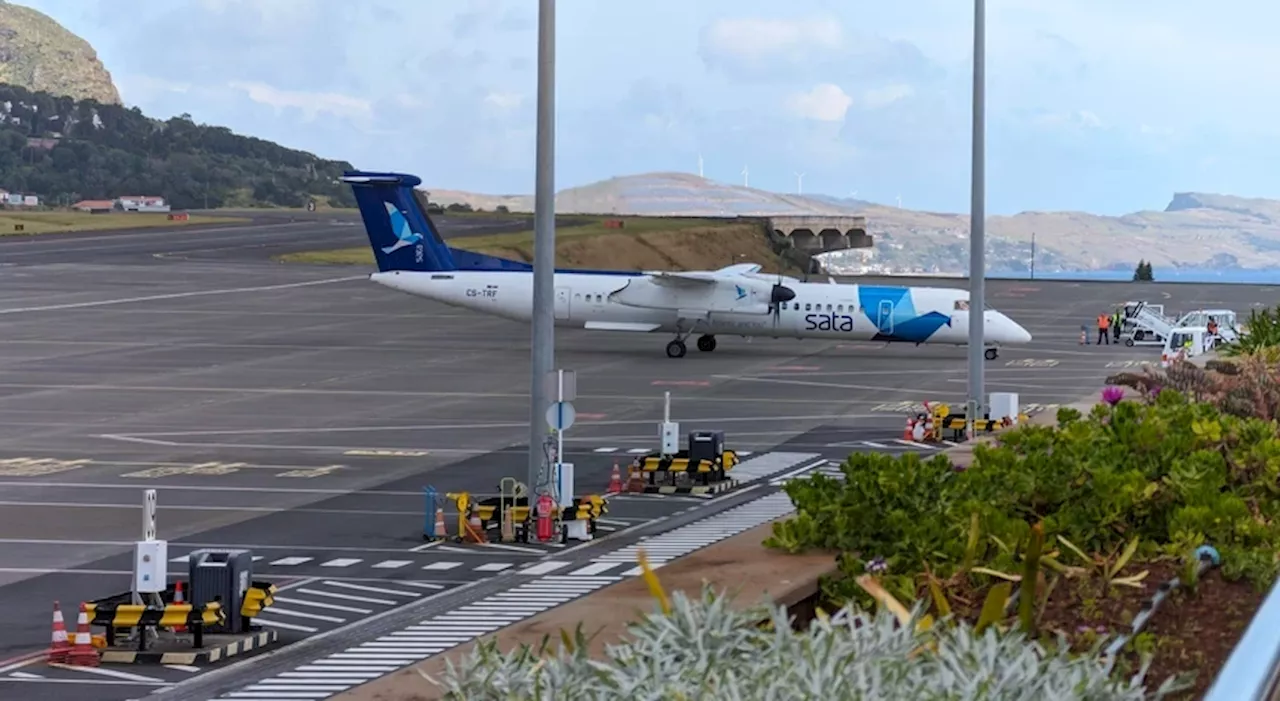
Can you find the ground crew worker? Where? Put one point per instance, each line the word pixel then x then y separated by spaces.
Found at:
pixel 1116 325
pixel 1212 326
pixel 1104 322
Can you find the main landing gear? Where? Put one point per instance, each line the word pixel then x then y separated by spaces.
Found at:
pixel 677 348
pixel 991 353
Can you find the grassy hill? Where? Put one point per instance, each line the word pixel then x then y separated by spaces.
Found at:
pixel 643 243
pixel 1195 230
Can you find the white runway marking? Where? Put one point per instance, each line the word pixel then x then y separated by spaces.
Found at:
pixel 180 295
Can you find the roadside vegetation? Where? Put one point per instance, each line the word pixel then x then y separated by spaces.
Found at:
pixel 642 243
pixel 58 222
pixel 704 648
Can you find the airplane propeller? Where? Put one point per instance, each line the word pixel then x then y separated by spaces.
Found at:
pixel 778 294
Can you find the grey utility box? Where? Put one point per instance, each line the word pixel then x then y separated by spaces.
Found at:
pixel 223 576
pixel 706 445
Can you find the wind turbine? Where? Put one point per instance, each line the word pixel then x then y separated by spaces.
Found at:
pixel 746 181
pixel 699 165
pixel 799 183
pixel 899 201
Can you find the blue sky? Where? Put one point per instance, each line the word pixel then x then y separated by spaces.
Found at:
pixel 1093 105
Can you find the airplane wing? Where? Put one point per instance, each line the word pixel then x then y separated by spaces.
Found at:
pixel 739 269
pixel 686 280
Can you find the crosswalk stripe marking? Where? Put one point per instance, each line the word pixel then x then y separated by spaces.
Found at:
pixel 298 614
pixel 424 585
pixel 493 566
pixel 545 567
pixel 321 604
pixel 341 562
pixel 595 568
pixel 604 450
pixel 348 597
pixel 290 626
pixel 442 565
pixel 288 561
pixel 637 451
pixel 392 564
pixel 380 590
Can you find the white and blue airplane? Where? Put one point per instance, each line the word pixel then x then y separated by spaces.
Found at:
pixel 736 300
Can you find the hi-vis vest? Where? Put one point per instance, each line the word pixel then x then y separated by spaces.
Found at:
pixel 1103 321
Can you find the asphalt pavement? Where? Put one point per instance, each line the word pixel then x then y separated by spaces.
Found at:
pixel 301 412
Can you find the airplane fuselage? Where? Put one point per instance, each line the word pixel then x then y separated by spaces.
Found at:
pixel 835 311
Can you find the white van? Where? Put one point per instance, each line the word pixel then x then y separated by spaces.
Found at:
pixel 1185 342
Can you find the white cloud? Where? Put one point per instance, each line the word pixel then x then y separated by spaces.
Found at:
pixel 876 98
pixel 504 100
pixel 824 103
pixel 758 38
pixel 311 103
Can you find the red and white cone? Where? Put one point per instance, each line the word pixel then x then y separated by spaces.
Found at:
pixel 61 647
pixel 82 653
pixel 615 480
pixel 179 598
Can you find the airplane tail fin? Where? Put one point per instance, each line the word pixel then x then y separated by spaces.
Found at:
pixel 401 232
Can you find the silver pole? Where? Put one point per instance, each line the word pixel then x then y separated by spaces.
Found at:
pixel 977 216
pixel 544 248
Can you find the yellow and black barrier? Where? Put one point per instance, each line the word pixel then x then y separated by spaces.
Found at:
pixel 118 612
pixel 489 510
pixel 664 473
pixel 957 425
pixel 258 596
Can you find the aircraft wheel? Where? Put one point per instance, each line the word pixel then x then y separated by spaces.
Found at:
pixel 676 349
pixel 706 344
pixel 991 353
pixel 1128 342
pixel 1139 334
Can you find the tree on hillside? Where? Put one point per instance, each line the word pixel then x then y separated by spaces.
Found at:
pixel 1143 273
pixel 96 151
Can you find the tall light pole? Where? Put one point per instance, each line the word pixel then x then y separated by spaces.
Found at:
pixel 977 216
pixel 544 247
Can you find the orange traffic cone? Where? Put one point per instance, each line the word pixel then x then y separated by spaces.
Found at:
pixel 475 530
pixel 60 647
pixel 83 654
pixel 635 479
pixel 178 598
pixel 441 531
pixel 615 481
pixel 910 428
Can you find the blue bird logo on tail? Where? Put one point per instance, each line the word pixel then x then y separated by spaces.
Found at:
pixel 741 292
pixel 400 226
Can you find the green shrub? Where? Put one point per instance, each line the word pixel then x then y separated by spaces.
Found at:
pixel 705 650
pixel 1264 334
pixel 1172 473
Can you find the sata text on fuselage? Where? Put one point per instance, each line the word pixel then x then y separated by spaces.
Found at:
pixel 828 322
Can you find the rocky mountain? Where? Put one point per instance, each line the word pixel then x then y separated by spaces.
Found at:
pixel 39 54
pixel 1194 230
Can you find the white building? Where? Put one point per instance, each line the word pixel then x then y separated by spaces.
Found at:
pixel 142 203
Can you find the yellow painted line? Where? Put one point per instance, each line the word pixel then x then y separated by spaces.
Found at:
pixel 36 467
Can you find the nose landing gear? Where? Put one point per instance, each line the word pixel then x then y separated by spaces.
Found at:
pixel 991 353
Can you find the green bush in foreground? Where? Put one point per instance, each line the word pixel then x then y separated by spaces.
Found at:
pixel 704 650
pixel 1173 474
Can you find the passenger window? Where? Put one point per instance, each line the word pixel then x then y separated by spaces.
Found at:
pixel 839 307
pixel 807 307
pixel 828 307
pixel 599 299
pixel 577 296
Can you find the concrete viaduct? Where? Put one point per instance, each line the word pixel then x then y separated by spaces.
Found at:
pixel 800 239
